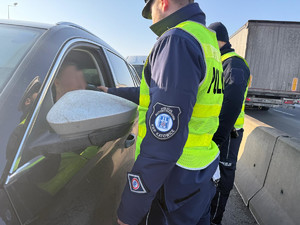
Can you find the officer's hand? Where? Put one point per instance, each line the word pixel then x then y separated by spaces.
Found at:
pixel 102 88
pixel 121 223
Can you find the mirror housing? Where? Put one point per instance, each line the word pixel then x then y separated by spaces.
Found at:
pixel 81 112
pixel 84 118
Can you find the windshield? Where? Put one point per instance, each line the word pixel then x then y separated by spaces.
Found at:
pixel 15 42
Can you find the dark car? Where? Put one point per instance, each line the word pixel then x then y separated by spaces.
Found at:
pixel 64 150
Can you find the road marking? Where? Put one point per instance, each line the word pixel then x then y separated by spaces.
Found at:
pixel 283 112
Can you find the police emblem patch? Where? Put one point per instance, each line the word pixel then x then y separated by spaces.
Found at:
pixel 136 184
pixel 164 121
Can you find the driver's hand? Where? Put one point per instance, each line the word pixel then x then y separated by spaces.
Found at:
pixel 102 88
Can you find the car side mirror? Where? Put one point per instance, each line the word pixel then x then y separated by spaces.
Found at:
pixel 83 118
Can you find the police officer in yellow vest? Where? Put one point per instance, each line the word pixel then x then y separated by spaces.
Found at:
pixel 179 99
pixel 230 132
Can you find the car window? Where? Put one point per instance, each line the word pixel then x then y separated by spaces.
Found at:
pixel 134 75
pixel 78 69
pixel 47 162
pixel 120 70
pixel 139 69
pixel 15 42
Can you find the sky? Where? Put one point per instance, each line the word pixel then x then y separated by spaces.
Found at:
pixel 121 25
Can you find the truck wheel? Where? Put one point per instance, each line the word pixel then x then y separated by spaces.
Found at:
pixel 264 108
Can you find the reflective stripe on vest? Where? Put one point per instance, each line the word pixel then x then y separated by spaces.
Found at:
pixel 239 124
pixel 199 151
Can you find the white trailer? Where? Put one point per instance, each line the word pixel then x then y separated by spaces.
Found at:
pixel 272 49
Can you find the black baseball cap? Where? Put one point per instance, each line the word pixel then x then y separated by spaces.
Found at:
pixel 147 10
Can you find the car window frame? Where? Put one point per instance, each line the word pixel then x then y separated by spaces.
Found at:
pixel 136 79
pixel 111 66
pixel 68 46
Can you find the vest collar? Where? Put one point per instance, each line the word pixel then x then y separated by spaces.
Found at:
pixel 189 12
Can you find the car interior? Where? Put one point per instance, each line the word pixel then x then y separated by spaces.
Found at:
pixel 40 166
pixel 93 66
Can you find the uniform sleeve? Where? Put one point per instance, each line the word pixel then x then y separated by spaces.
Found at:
pixel 177 69
pixel 236 77
pixel 129 93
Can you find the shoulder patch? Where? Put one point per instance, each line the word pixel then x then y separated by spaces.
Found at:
pixel 135 184
pixel 164 121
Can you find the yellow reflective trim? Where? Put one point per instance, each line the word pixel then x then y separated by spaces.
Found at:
pixel 198 158
pixel 243 108
pixel 204 111
pixel 144 89
pixel 138 146
pixel 144 100
pixel 211 52
pixel 196 140
pixel 237 127
pixel 233 54
pixel 240 121
pixel 142 131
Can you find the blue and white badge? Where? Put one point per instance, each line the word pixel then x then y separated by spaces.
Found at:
pixel 135 184
pixel 164 121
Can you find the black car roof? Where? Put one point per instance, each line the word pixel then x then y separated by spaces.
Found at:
pixel 58 25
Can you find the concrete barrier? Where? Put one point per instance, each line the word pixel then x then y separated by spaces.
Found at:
pixel 267 175
pixel 277 203
pixel 253 165
pixel 249 126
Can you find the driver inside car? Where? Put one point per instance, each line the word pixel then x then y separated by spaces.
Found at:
pixel 69 78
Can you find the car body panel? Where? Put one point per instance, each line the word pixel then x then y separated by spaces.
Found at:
pixel 85 185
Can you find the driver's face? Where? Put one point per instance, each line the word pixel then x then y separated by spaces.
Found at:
pixel 71 79
pixel 81 80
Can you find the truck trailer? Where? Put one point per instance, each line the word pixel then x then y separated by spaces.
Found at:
pixel 272 49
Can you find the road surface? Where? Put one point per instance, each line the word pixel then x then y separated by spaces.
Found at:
pixel 286 120
pixel 236 212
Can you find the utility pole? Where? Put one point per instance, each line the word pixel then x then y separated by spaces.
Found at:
pixel 14 5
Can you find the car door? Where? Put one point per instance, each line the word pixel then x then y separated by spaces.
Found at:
pixel 69 184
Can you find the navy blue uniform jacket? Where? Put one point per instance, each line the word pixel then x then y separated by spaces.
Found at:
pixel 236 75
pixel 175 69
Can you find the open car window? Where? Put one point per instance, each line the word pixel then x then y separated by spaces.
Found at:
pixel 80 67
pixel 45 163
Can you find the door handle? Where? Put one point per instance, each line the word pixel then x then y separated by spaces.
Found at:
pixel 130 140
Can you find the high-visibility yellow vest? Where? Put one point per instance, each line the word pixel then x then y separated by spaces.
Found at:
pixel 199 150
pixel 239 124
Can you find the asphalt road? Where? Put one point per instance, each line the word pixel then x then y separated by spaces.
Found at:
pixel 286 120
pixel 236 212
